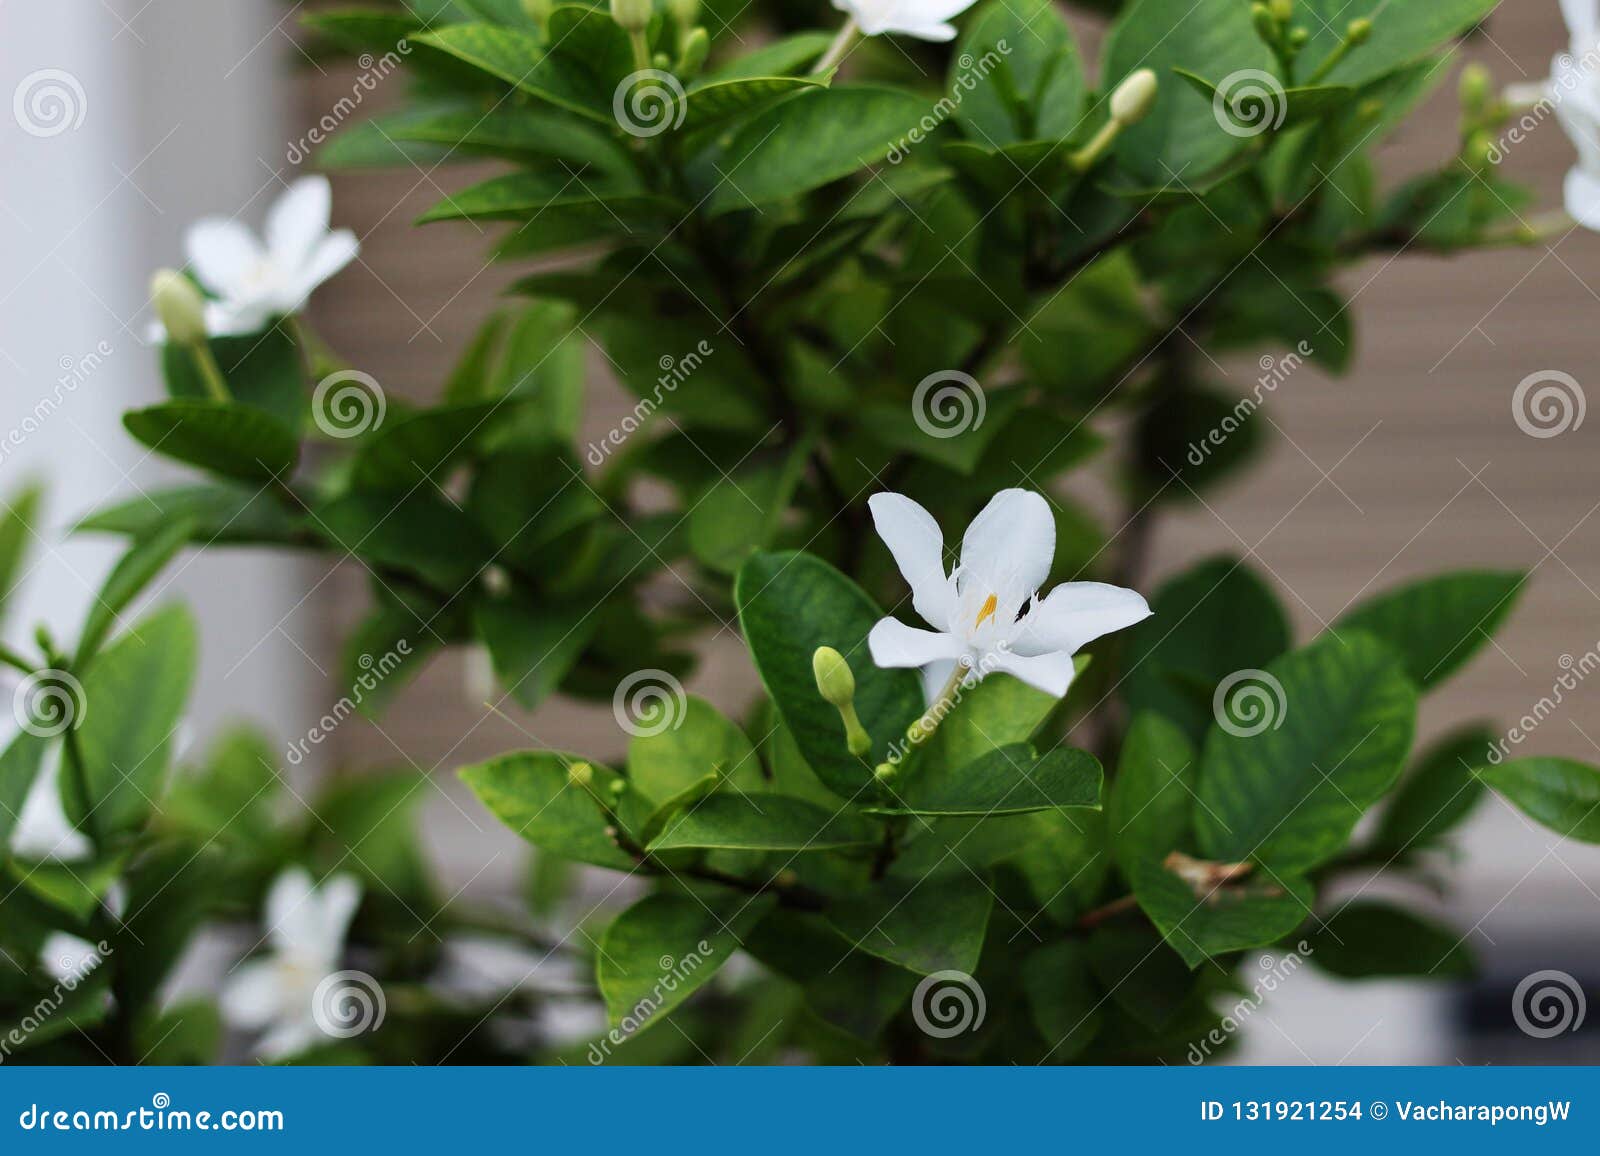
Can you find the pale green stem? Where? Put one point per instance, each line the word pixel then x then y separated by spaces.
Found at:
pixel 210 373
pixel 1341 50
pixel 1089 154
pixel 929 722
pixel 842 43
pixel 641 49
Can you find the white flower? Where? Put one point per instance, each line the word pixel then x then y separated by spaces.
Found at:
pixel 68 959
pixel 923 19
pixel 254 283
pixel 483 968
pixel 306 925
pixel 1574 91
pixel 987 614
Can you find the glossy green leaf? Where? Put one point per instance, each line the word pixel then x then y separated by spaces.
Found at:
pixel 1562 794
pixel 1017 75
pixel 758 821
pixel 526 195
pixel 1152 798
pixel 537 796
pixel 264 371
pixel 743 511
pixel 1438 795
pixel 418 530
pixel 1437 624
pixel 1312 745
pixel 234 441
pixel 533 646
pixel 1367 940
pixel 222 514
pixel 1254 913
pixel 411 450
pixel 522 61
pixel 713 100
pixel 1010 781
pixel 922 926
pixel 1279 109
pixel 1401 32
pixel 699 741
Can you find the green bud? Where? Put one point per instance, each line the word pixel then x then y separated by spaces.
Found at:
pixel 661 62
pixel 685 12
pixel 1282 10
pixel 1299 38
pixel 580 775
pixel 1480 151
pixel 835 682
pixel 1359 31
pixel 885 773
pixel 538 11
pixel 179 305
pixel 632 15
pixel 1132 100
pixel 692 56
pixel 616 790
pixel 1475 87
pixel 1266 27
pixel 1370 109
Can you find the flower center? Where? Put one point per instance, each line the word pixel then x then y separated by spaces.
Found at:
pixel 990 605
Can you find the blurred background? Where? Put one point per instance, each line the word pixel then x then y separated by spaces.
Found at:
pixel 1411 464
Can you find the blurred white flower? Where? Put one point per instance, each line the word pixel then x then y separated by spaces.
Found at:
pixel 923 19
pixel 255 281
pixel 1574 91
pixel 987 614
pixel 67 958
pixel 483 968
pixel 306 927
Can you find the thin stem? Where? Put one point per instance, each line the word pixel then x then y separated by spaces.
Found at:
pixel 210 373
pixel 842 44
pixel 13 659
pixel 641 49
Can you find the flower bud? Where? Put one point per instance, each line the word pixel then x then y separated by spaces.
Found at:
pixel 632 15
pixel 684 12
pixel 580 774
pixel 835 682
pixel 692 56
pixel 1133 98
pixel 1282 10
pixel 885 774
pixel 1299 38
pixel 1266 26
pixel 179 305
pixel 1475 86
pixel 1359 31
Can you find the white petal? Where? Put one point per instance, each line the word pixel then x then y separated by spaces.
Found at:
pixel 1582 196
pixel 1583 21
pixel 236 318
pixel 68 957
pixel 1051 673
pixel 895 644
pixel 289 1038
pixel 332 253
pixel 1074 614
pixel 291 912
pixel 298 220
pixel 1011 544
pixel 253 996
pixel 338 899
pixel 223 253
pixel 914 538
pixel 935 677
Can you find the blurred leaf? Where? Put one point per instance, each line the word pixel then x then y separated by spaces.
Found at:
pixel 1562 794
pixel 1437 624
pixel 1250 914
pixel 227 439
pixel 923 927
pixel 1438 795
pixel 1366 940
pixel 135 570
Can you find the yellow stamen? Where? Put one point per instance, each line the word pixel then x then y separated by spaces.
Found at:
pixel 989 607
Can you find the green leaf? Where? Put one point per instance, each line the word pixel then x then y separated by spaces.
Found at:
pixel 742 512
pixel 1062 996
pixel 1207 622
pixel 1401 32
pixel 75 888
pixel 787 55
pixel 789 605
pixel 1232 918
pixel 17 519
pixel 1281 109
pixel 1365 940
pixel 134 571
pixel 1437 624
pixel 231 796
pixel 1009 781
pixel 1309 748
pixel 532 647
pixel 264 371
pixel 1000 711
pixel 534 793
pixel 809 140
pixel 526 195
pixel 1562 794
pixel 516 133
pixel 1017 76
pixel 222 514
pixel 522 61
pixel 922 926
pixel 658 952
pixel 1145 977
pixel 234 441
pixel 712 100
pixel 1103 315
pixel 409 451
pixel 134 696
pixel 757 821
pixel 1152 797
pixel 699 741
pixel 419 531
pixel 1438 795
pixel 19 766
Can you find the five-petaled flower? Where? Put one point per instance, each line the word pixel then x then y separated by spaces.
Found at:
pixel 987 614
pixel 254 281
pixel 923 19
pixel 306 926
